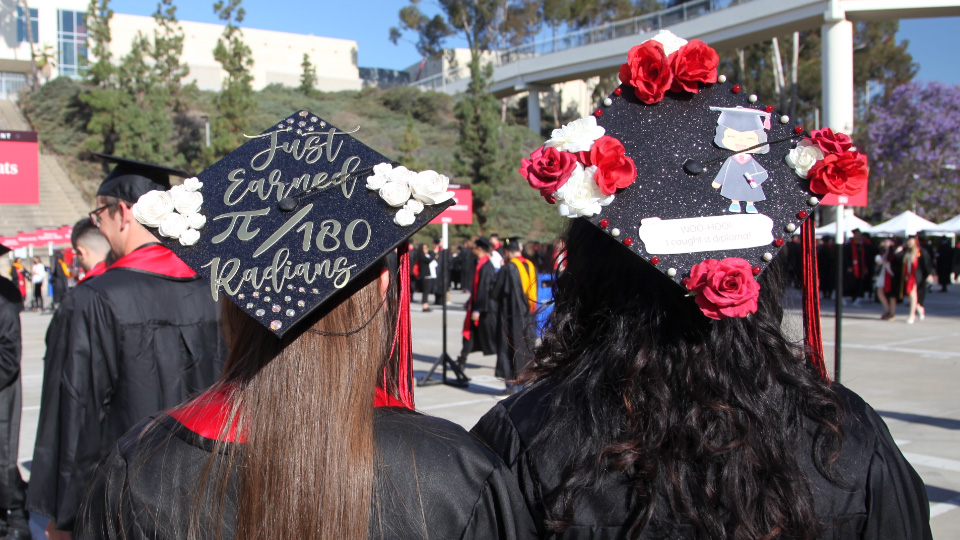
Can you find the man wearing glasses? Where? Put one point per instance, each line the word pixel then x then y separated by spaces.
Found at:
pixel 140 338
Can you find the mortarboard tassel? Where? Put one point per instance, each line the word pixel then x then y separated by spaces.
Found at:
pixel 812 337
pixel 404 337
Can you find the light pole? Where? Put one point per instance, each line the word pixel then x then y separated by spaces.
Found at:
pixel 206 128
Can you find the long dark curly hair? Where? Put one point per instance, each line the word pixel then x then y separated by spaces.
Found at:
pixel 702 417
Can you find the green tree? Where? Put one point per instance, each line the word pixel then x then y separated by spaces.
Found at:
pixel 97 20
pixel 106 101
pixel 409 145
pixel 235 101
pixel 308 78
pixel 166 52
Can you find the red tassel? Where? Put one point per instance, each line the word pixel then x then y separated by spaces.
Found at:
pixel 812 337
pixel 403 337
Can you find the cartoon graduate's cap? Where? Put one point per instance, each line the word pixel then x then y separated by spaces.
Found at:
pixel 646 170
pixel 288 219
pixel 742 119
pixel 131 178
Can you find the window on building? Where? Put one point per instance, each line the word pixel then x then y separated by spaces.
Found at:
pixel 72 39
pixel 22 25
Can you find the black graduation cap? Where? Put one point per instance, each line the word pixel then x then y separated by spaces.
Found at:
pixel 290 217
pixel 130 179
pixel 4 250
pixel 707 186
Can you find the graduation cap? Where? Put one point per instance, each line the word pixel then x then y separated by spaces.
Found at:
pixel 130 179
pixel 4 250
pixel 686 170
pixel 286 220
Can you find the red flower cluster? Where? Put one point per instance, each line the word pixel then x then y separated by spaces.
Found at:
pixel 724 288
pixel 841 171
pixel 651 72
pixel 548 169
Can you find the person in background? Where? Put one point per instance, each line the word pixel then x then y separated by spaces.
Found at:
pixel 13 515
pixel 480 322
pixel 37 274
pixel 884 272
pixel 858 267
pixel 827 267
pixel 21 276
pixel 91 247
pixel 468 265
pixel 944 263
pixel 141 337
pixel 60 274
pixel 443 273
pixel 515 291
pixel 496 252
pixel 428 266
pixel 911 268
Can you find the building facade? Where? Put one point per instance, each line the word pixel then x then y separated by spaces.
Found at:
pixel 59 35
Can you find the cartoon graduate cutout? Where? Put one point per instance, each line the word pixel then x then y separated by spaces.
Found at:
pixel 741 177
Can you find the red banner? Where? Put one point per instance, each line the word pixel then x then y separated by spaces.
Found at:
pixel 460 213
pixel 39 237
pixel 860 199
pixel 19 168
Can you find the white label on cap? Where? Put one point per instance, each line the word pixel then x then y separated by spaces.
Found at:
pixel 710 233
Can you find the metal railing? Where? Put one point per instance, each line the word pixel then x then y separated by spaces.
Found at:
pixel 605 32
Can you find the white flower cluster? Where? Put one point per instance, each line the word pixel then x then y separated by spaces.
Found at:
pixel 580 195
pixel 174 213
pixel 670 41
pixel 804 156
pixel 408 190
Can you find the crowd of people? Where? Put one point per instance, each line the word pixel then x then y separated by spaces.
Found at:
pixel 889 271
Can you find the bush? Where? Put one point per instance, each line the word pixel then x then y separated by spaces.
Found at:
pixel 428 107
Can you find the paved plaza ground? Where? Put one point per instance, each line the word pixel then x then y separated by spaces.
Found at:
pixel 909 373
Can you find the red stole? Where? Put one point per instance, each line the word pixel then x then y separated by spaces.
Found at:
pixel 155 259
pixel 467 322
pixel 97 269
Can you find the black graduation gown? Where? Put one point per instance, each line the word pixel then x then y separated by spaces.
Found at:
pixel 888 500
pixel 516 330
pixel 437 481
pixel 11 483
pixel 483 335
pixel 140 338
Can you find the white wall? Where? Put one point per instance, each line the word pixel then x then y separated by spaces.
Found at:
pixel 19 53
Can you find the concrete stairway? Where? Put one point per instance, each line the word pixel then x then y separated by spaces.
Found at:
pixel 61 203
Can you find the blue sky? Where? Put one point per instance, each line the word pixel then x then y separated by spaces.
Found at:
pixel 933 42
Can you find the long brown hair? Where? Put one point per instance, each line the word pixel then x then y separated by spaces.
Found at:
pixel 304 407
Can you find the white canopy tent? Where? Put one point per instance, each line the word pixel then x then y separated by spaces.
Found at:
pixel 951 225
pixel 906 224
pixel 849 224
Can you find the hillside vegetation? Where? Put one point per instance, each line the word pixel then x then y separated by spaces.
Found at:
pixel 412 127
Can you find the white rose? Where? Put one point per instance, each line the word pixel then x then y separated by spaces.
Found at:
pixel 671 43
pixel 577 136
pixel 196 221
pixel 395 193
pixel 173 225
pixel 581 196
pixel 381 175
pixel 187 202
pixel 414 206
pixel 430 187
pixel 189 237
pixel 192 184
pixel 152 207
pixel 404 217
pixel 402 175
pixel 803 157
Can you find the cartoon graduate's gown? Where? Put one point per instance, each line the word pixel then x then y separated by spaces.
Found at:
pixel 734 182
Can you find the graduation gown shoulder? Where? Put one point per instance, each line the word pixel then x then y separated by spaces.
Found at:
pixel 436 481
pixel 515 328
pixel 128 344
pixel 887 499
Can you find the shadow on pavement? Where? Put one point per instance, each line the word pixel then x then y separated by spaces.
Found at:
pixel 939 495
pixel 945 423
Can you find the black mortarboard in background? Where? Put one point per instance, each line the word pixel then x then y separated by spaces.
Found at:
pixel 483 243
pixel 512 246
pixel 130 179
pixel 290 217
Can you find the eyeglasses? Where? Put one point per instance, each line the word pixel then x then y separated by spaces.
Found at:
pixel 95 214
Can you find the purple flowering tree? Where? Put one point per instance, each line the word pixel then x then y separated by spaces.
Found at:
pixel 913 142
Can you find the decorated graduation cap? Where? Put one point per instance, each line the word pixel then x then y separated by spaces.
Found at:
pixel 696 177
pixel 130 179
pixel 286 220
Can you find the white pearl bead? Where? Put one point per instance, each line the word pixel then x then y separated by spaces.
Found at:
pixel 791 227
pixel 615 232
pixel 752 98
pixel 784 119
pixel 722 78
pixel 814 201
pixel 671 272
pixel 767 257
pixel 608 102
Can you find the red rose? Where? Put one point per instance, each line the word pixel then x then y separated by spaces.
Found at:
pixel 830 142
pixel 548 169
pixel 615 170
pixel 724 288
pixel 696 62
pixel 647 71
pixel 841 174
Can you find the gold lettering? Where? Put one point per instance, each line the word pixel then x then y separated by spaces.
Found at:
pixel 244 234
pixel 348 235
pixel 283 230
